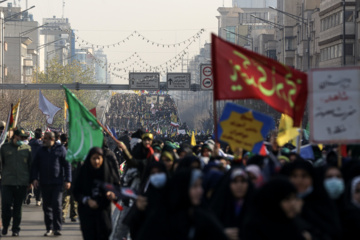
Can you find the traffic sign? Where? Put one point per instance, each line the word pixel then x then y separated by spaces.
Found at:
pixel 178 81
pixel 144 81
pixel 206 77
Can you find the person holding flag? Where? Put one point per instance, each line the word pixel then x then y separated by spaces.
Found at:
pixel 94 202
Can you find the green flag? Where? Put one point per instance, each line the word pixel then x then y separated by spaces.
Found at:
pixel 84 131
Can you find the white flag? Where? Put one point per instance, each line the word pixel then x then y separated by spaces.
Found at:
pixel 47 108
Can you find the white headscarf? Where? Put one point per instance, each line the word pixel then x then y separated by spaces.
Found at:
pixel 354 183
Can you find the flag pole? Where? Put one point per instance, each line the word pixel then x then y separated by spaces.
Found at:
pixel 214 72
pixel 126 151
pixel 215 119
pixel 299 141
pixel 339 156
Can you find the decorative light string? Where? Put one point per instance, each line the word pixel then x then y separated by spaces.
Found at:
pixel 81 41
pixel 170 64
pixel 163 68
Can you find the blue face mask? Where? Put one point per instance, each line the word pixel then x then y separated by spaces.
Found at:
pixel 158 180
pixel 334 187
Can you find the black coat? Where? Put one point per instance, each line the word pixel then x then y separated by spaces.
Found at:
pixel 50 166
pixel 171 215
pixel 266 220
pixel 223 204
pixel 95 223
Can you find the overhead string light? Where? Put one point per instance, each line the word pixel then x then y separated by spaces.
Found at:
pixel 81 41
pixel 139 62
pixel 125 60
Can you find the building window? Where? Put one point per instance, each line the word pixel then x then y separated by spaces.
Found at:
pixel 28 71
pixel 289 43
pixel 230 36
pixel 349 16
pixel 349 49
pixel 341 17
pixel 336 51
pixel 340 47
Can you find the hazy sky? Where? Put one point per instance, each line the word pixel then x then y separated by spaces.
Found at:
pixel 109 21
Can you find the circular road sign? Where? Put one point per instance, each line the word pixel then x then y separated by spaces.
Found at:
pixel 207 83
pixel 207 71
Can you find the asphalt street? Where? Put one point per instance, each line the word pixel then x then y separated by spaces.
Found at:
pixel 33 227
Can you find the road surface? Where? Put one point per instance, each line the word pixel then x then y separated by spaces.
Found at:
pixel 33 227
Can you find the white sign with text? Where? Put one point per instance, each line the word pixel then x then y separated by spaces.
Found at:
pixel 144 81
pixel 334 96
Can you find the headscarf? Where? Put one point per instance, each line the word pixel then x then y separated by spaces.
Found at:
pixel 179 186
pixel 354 183
pixel 99 173
pixel 187 161
pixel 167 155
pixel 256 171
pixel 268 198
pixel 230 211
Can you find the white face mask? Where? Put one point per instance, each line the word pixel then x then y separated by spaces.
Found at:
pixel 58 142
pixel 158 180
pixel 157 155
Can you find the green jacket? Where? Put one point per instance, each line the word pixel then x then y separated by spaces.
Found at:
pixel 16 164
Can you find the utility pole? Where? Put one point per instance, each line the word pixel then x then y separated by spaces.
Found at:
pixel 344 32
pixel 63 8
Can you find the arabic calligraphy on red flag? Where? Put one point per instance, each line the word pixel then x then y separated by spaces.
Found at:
pixel 242 74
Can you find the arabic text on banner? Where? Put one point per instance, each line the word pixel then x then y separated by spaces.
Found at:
pixel 334 105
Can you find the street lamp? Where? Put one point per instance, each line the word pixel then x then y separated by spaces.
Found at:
pixel 275 25
pixel 304 22
pixel 242 37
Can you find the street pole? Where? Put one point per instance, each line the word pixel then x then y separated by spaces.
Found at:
pixel 284 36
pixel 308 38
pixel 344 32
pixel 2 48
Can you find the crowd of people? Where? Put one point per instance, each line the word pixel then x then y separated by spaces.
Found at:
pixel 166 190
pixel 209 192
pixel 148 111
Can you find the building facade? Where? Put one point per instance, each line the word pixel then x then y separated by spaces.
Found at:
pixel 253 3
pixel 337 33
pixel 21 39
pixel 56 41
pixel 237 25
pixel 101 74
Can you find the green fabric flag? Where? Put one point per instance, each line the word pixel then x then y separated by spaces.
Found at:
pixel 307 132
pixel 84 131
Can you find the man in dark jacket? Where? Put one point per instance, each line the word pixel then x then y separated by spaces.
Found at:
pixel 16 164
pixel 35 145
pixel 52 170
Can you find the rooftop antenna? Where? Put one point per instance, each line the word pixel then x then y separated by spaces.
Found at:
pixel 63 8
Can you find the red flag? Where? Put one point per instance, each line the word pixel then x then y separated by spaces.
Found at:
pixel 243 74
pixel 263 151
pixel 93 111
pixel 344 152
